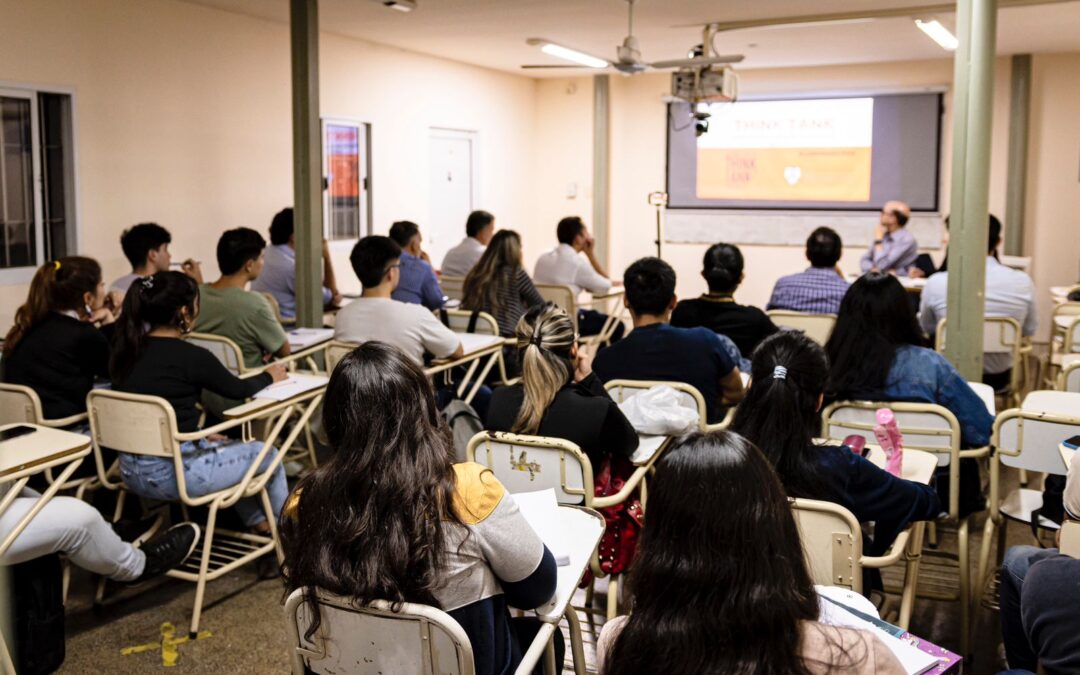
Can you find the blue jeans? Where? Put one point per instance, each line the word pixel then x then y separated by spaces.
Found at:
pixel 209 466
pixel 1018 560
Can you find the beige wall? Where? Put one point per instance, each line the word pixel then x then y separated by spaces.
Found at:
pixel 183 117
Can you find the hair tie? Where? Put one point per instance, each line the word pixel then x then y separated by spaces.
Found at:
pixel 536 340
pixel 56 265
pixel 779 373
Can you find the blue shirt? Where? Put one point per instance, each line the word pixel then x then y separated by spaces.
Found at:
pixel 898 252
pixel 417 283
pixel 817 290
pixel 278 278
pixel 695 356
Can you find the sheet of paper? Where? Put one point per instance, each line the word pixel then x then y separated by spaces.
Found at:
pixel 302 338
pixel 474 342
pixel 294 385
pixel 913 660
pixel 542 511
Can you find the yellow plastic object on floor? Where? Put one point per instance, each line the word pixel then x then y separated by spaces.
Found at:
pixel 168 645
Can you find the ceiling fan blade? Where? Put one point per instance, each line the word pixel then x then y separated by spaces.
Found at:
pixel 699 61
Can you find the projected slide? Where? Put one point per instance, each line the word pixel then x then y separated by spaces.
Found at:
pixel 817 150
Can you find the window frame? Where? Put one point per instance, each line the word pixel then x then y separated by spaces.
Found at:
pixel 366 210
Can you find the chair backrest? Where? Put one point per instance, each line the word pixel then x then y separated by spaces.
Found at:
pixel 374 639
pixel 689 397
pixel 1072 337
pixel 1017 262
pixel 19 405
pixel 276 307
pixel 1067 308
pixel 132 423
pixel 818 327
pixel 335 351
pixel 452 287
pixel 832 543
pixel 531 463
pixel 1069 378
pixel 1001 335
pixel 1028 437
pixel 561 295
pixel 459 321
pixel 925 426
pixel 223 348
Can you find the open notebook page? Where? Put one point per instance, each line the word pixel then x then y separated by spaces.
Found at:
pixel 294 385
pixel 541 509
pixel 911 658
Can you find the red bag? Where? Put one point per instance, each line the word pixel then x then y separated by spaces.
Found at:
pixel 623 521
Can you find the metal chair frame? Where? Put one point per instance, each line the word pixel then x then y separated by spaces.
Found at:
pixel 564 296
pixel 817 327
pixel 1001 334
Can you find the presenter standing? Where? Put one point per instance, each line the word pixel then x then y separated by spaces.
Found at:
pixel 894 249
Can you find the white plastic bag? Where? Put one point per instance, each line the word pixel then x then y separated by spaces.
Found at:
pixel 660 411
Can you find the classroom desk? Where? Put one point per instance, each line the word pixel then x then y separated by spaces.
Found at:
pixel 910 284
pixel 1063 322
pixel 259 404
pixel 583 528
pixel 477 347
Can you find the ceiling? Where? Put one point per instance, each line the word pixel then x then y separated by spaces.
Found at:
pixel 492 33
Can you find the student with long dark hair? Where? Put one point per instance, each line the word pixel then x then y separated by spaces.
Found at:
pixel 150 357
pixel 720 584
pixel 391 517
pixel 55 346
pixel 499 284
pixel 559 396
pixel 781 414
pixel 876 353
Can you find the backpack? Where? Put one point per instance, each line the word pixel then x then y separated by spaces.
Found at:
pixel 37 601
pixel 464 423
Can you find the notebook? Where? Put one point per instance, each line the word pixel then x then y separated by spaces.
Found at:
pixel 302 338
pixel 909 650
pixel 294 385
pixel 474 342
pixel 541 510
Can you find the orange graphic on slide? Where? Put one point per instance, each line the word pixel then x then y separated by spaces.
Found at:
pixel 784 174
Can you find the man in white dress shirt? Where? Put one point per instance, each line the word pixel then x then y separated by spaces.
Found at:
pixel 479 228
pixel 1009 293
pixel 564 266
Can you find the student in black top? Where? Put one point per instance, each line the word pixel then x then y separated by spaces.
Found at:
pixel 150 357
pixel 55 346
pixel 781 414
pixel 559 396
pixel 717 310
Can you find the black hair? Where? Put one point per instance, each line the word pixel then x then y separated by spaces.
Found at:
pixel 875 318
pixel 823 247
pixel 151 302
pixel 236 247
pixel 780 411
pixel 282 227
pixel 138 241
pixel 371 258
pixel 569 228
pixel 650 286
pixel 477 221
pixel 994 235
pixel 723 268
pixel 403 231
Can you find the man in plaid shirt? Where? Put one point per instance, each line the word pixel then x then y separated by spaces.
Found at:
pixel 818 289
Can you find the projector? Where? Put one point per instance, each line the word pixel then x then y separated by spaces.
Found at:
pixel 705 85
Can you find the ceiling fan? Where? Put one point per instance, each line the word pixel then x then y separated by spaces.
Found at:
pixel 628 55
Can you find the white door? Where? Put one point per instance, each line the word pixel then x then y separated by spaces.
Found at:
pixel 450 190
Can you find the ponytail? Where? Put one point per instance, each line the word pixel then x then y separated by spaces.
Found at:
pixel 151 302
pixel 780 411
pixel 58 286
pixel 545 336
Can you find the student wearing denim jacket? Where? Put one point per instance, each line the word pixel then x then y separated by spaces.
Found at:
pixel 877 353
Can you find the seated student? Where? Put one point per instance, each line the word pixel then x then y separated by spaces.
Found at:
pixel 55 346
pixel 819 288
pixel 278 277
pixel 924 265
pixel 717 310
pixel 1009 293
pixel 781 414
pixel 499 284
pixel 559 396
pixel 146 246
pixel 228 309
pixel 656 350
pixel 876 354
pixel 390 517
pixel 417 282
pixel 894 249
pixel 720 583
pixel 564 266
pixel 1040 591
pixel 479 228
pixel 150 357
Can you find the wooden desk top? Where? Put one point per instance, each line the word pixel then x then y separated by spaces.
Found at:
pixel 39 450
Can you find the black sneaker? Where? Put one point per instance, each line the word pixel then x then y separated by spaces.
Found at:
pixel 169 550
pixel 135 532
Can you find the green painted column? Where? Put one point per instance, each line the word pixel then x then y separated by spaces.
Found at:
pixel 1016 181
pixel 601 167
pixel 973 87
pixel 307 161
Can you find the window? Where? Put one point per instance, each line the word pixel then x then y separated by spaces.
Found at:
pixel 36 185
pixel 347 202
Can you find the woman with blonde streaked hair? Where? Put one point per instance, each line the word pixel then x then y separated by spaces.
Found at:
pixel 559 396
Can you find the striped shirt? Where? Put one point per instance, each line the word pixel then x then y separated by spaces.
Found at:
pixel 816 290
pixel 516 294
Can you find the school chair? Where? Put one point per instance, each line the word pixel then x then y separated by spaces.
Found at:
pixel 146 425
pixel 1025 438
pixel 689 397
pixel 1069 377
pixel 1001 335
pixel 374 638
pixel 276 308
pixel 934 429
pixel 1016 262
pixel 1064 337
pixel 832 542
pixel 564 297
pixel 818 327
pixel 452 287
pixel 481 323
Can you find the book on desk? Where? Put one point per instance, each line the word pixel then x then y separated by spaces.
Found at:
pixel 294 385
pixel 302 338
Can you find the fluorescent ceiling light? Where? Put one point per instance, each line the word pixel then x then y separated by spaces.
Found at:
pixel 939 34
pixel 573 55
